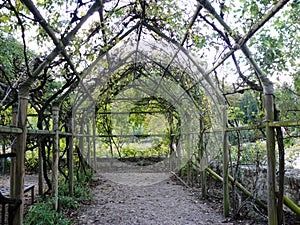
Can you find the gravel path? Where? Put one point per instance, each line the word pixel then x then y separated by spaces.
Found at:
pixel 161 203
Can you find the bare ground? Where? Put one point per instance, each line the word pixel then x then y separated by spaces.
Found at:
pixel 145 198
pixel 129 201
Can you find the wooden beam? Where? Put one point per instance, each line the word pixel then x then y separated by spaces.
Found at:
pixel 284 123
pixel 16 130
pixel 7 155
pixel 131 112
pixel 10 130
pixel 41 132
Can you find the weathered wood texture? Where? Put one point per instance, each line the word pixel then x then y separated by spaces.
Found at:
pixel 226 201
pixel 270 136
pixel 20 155
pixel 55 154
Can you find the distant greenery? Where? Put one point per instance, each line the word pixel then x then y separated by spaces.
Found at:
pixel 251 152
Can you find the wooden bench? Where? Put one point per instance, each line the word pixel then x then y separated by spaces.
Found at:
pixel 27 188
pixel 11 202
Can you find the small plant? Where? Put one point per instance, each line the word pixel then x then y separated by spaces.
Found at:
pixel 67 202
pixel 43 213
pixel 82 192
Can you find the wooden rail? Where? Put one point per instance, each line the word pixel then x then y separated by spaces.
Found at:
pixel 15 130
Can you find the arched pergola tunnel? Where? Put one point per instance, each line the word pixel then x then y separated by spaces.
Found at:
pixel 165 73
pixel 141 57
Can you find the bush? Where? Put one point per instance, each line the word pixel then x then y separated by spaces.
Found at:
pixel 43 213
pixel 67 202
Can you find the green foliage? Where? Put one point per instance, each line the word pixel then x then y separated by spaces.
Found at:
pixel 43 213
pixel 82 191
pixel 12 73
pixel 276 45
pixel 287 100
pixel 249 106
pixel 147 148
pixel 130 151
pixel 6 163
pixel 292 151
pixel 67 202
pixel 31 164
pixel 6 117
pixel 251 152
pixel 235 113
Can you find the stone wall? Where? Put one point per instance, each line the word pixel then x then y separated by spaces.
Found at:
pixel 147 164
pixel 257 183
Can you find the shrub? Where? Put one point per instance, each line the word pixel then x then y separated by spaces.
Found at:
pixel 43 213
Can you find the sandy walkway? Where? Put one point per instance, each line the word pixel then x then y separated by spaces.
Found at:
pixel 165 202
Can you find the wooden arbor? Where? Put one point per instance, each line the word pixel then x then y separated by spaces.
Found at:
pixel 142 23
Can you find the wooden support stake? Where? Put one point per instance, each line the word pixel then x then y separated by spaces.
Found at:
pixel 13 150
pixel 202 157
pixel 81 138
pixel 55 154
pixel 88 131
pixel 239 185
pixel 94 143
pixel 41 169
pixel 270 141
pixel 226 202
pixel 70 159
pixel 20 155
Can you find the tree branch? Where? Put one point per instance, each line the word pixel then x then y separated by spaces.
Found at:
pixel 241 42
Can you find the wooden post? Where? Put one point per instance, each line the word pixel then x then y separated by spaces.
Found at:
pixel 3 159
pixel 13 150
pixel 41 169
pixel 201 155
pixel 70 158
pixel 55 153
pixel 270 135
pixel 20 154
pixel 226 202
pixel 88 132
pixel 81 138
pixel 188 149
pixel 94 142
